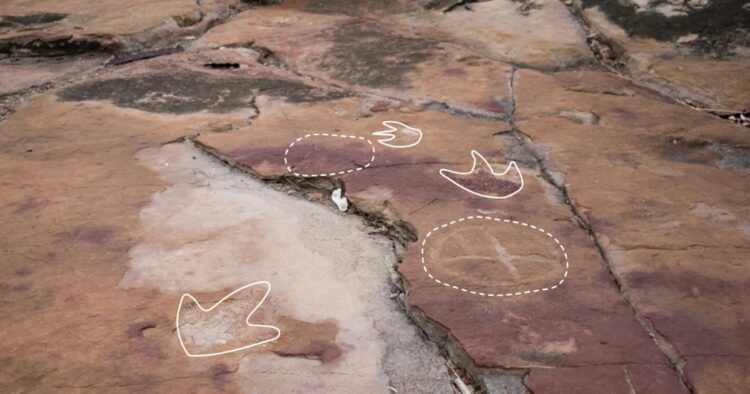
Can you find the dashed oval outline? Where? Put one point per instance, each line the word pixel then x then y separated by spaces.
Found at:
pixel 500 294
pixel 358 168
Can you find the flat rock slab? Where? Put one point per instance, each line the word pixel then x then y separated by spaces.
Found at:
pixel 24 74
pixel 130 225
pixel 670 213
pixel 538 34
pixel 514 315
pixel 550 226
pixel 363 55
pixel 53 28
pixel 697 51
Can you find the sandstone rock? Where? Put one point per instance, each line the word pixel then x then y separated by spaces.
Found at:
pixel 521 337
pixel 133 259
pixel 613 260
pixel 539 34
pixel 367 55
pixel 696 51
pixel 23 74
pixel 71 27
pixel 667 214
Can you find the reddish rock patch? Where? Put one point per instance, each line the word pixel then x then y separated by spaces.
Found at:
pixel 315 341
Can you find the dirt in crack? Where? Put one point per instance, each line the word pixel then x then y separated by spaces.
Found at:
pixel 520 144
pixel 30 19
pixel 193 92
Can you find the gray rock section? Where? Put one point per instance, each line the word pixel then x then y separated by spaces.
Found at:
pixel 216 229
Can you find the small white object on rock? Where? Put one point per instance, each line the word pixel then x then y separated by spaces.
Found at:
pixel 340 200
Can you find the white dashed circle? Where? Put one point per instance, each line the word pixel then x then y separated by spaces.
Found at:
pixel 354 137
pixel 496 294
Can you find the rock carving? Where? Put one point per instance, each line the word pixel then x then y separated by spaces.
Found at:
pixel 247 320
pixel 480 164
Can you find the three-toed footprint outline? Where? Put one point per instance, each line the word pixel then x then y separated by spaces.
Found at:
pixel 479 163
pixel 247 320
pixel 391 132
pixel 396 130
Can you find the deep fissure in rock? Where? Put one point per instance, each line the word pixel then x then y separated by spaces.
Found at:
pixel 554 178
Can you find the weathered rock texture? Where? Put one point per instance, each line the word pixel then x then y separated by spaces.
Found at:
pixel 619 264
pixel 697 51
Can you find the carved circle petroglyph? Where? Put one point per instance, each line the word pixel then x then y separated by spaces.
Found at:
pixel 496 293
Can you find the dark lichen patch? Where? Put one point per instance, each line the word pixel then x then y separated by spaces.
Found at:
pixel 687 151
pixel 732 157
pixel 716 22
pixel 449 5
pixel 190 92
pixel 354 8
pixel 31 45
pixel 369 56
pixel 30 19
pixel 525 7
pixel 440 4
pixel 124 58
pixel 715 154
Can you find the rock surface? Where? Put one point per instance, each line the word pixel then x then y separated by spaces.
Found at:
pixel 56 28
pixel 697 51
pixel 614 259
pixel 537 34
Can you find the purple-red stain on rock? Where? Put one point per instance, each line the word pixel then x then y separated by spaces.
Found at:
pixel 136 329
pixel 15 287
pixel 21 272
pixel 317 155
pixel 218 370
pixel 315 341
pixel 95 234
pixel 455 72
pixel 487 184
pixel 139 344
pixel 314 349
pixel 381 106
pixel 144 346
pixel 491 106
pixel 29 204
